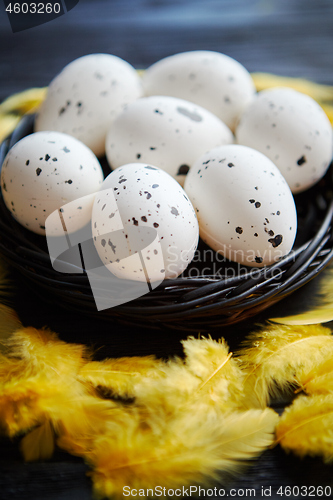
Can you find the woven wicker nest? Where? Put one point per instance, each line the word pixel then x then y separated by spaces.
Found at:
pixel 218 293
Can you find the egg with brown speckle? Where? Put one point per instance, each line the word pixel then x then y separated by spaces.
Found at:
pixel 86 96
pixel 210 79
pixel 44 171
pixel 292 130
pixel 143 224
pixel 167 132
pixel 245 208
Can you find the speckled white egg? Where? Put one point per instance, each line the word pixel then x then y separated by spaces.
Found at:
pixel 244 206
pixel 213 80
pixel 44 171
pixel 86 96
pixel 134 199
pixel 293 131
pixel 167 132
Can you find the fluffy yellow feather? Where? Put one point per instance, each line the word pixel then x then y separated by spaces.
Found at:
pixel 23 102
pixel 18 400
pixel 38 384
pixel 99 417
pixel 120 375
pixel 315 90
pixel 206 374
pixel 185 453
pixel 9 321
pixel 12 108
pixel 328 108
pixel 39 443
pixel 208 377
pixel 218 371
pixel 319 380
pixel 320 310
pixel 41 349
pixel 170 392
pixel 275 356
pixel 306 427
pixel 7 125
pixel 50 398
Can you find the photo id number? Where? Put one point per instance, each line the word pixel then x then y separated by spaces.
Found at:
pixel 33 8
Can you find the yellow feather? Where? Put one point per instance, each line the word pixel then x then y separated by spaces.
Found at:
pixel 12 108
pixel 312 317
pixel 220 374
pixel 207 368
pixel 39 443
pixel 121 374
pixel 38 383
pixel 208 377
pixel 169 392
pixel 319 380
pixel 43 350
pixel 317 91
pixel 319 310
pixel 186 453
pixel 7 125
pixel 204 355
pixel 23 102
pixel 3 271
pixel 306 427
pixel 9 321
pixel 29 399
pixel 12 369
pixel 87 421
pixel 20 403
pixel 275 356
pixel 328 108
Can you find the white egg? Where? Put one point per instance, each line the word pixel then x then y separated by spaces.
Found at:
pixel 293 131
pixel 167 132
pixel 86 96
pixel 213 80
pixel 244 206
pixel 44 171
pixel 143 224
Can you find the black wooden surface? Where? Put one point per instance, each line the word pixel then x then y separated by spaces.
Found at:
pixel 287 37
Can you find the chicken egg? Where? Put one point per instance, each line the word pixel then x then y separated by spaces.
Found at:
pixel 167 132
pixel 244 206
pixel 292 130
pixel 46 170
pixel 86 96
pixel 143 224
pixel 210 79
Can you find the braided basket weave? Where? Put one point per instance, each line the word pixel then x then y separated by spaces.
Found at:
pixel 218 293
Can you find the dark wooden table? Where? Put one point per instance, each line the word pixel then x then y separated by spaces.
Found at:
pixel 286 37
